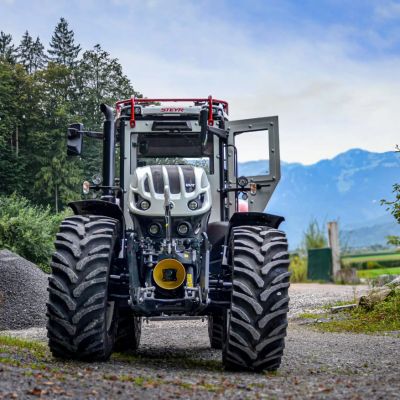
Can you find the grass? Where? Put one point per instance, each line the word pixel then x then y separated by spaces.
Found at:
pixel 309 315
pixel 384 317
pixel 372 273
pixel 7 340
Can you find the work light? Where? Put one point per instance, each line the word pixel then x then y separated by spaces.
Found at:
pixel 183 228
pixel 154 229
pixel 97 179
pixel 144 205
pixel 193 205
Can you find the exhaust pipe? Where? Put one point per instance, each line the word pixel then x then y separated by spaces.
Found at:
pixel 108 151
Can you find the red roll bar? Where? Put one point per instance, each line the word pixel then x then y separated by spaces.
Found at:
pixel 134 100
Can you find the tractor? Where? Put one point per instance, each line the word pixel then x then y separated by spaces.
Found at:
pixel 179 234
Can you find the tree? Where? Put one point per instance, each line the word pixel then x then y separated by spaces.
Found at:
pixel 16 89
pixel 31 54
pixel 58 176
pixel 63 50
pixel 7 49
pixel 394 208
pixel 25 52
pixel 13 176
pixel 98 79
pixel 39 58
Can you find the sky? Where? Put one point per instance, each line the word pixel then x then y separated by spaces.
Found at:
pixel 330 69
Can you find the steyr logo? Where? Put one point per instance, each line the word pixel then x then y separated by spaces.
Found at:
pixel 172 110
pixel 190 185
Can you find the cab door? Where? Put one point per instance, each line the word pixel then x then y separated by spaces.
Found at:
pixel 253 147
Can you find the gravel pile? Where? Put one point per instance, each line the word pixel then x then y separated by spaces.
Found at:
pixel 23 293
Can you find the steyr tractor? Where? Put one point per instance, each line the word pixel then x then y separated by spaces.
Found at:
pixel 179 234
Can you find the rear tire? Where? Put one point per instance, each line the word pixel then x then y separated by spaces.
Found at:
pixel 82 321
pixel 215 331
pixel 128 332
pixel 255 329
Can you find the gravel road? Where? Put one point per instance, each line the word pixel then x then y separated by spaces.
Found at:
pixel 175 361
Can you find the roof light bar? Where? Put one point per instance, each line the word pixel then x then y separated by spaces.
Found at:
pixel 134 100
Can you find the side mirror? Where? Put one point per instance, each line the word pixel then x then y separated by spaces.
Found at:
pixel 204 129
pixel 144 147
pixel 75 139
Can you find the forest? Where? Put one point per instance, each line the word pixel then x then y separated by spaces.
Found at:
pixel 42 91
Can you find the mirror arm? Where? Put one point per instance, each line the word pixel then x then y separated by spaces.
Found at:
pixel 221 133
pixel 94 135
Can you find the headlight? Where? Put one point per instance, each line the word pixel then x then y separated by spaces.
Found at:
pixel 183 228
pixel 154 229
pixel 193 205
pixel 216 111
pixel 242 181
pixel 144 205
pixel 97 179
pixel 86 187
pixel 138 110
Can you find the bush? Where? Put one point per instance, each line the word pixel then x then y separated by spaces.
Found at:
pixel 375 264
pixel 28 230
pixel 298 268
pixel 314 237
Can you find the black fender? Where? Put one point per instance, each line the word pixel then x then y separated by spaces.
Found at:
pixel 99 207
pixel 219 231
pixel 252 219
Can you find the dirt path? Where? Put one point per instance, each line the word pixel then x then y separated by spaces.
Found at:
pixel 175 361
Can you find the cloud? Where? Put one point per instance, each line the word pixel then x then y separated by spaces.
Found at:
pixel 328 101
pixel 388 9
pixel 332 84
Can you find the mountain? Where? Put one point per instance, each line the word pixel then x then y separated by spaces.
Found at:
pixel 369 235
pixel 348 187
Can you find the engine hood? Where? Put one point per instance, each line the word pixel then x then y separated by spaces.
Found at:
pixel 186 183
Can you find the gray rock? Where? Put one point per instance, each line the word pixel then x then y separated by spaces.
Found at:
pixel 374 298
pixel 23 293
pixel 383 280
pixel 348 275
pixel 394 282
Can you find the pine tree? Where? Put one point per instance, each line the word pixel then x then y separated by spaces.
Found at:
pixel 39 58
pixel 63 51
pixel 26 53
pixel 57 175
pixel 7 49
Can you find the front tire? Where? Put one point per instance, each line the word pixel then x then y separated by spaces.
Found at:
pixel 256 324
pixel 82 321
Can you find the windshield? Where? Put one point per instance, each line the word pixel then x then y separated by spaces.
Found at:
pixel 174 149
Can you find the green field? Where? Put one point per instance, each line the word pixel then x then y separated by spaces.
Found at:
pixel 372 273
pixel 372 257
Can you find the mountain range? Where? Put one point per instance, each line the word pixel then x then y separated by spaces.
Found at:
pixel 348 188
